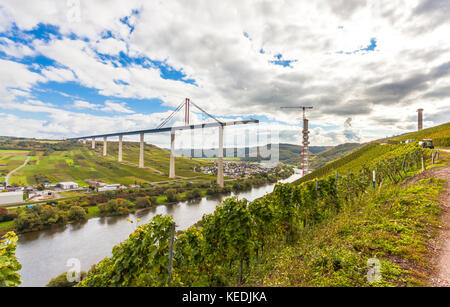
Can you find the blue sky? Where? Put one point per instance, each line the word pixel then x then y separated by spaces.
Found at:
pixel 82 68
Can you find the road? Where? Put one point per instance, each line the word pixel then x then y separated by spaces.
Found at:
pixel 14 170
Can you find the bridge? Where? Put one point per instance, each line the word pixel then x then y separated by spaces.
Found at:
pixel 217 124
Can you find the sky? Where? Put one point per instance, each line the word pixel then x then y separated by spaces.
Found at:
pixel 75 68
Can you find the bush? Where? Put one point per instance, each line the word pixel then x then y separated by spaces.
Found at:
pixel 142 202
pixel 194 193
pixel 61 280
pixel 27 221
pixel 6 215
pixel 171 195
pixel 77 213
pixel 117 206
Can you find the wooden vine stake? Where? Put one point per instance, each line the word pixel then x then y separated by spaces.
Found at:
pixel 172 239
pixel 423 162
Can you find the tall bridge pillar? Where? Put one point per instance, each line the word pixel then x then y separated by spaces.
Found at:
pixel 93 143
pixel 172 155
pixel 120 148
pixel 220 180
pixel 141 152
pixel 105 144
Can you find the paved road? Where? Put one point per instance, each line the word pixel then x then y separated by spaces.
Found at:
pixel 11 172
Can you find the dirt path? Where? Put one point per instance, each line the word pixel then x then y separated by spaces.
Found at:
pixel 14 170
pixel 441 245
pixel 441 278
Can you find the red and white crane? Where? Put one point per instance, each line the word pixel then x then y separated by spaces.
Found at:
pixel 305 141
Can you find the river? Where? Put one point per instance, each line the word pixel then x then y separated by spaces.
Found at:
pixel 45 254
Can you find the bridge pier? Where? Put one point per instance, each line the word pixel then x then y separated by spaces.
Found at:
pixel 119 158
pixel 105 145
pixel 172 155
pixel 141 152
pixel 220 180
pixel 93 143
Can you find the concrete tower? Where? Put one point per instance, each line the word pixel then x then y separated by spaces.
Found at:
pixel 420 119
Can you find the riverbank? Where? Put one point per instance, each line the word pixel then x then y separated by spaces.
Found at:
pixel 44 254
pixel 59 212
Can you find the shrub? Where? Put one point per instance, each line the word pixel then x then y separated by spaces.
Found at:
pixel 77 213
pixel 142 202
pixel 171 195
pixel 61 280
pixel 194 193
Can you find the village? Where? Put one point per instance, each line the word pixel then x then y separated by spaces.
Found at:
pixel 16 195
pixel 238 169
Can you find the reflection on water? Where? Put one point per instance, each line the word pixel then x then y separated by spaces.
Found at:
pixel 44 254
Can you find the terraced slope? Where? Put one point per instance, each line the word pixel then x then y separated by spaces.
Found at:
pixel 367 156
pixel 78 163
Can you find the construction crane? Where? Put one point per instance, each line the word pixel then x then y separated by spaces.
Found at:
pixel 305 143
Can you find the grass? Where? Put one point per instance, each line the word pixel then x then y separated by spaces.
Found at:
pixel 6 226
pixel 10 160
pixel 437 132
pixel 393 226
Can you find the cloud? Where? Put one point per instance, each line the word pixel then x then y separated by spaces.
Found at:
pixel 204 40
pixel 80 104
pixel 120 107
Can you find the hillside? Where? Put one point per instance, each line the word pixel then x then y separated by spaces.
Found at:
pixel 320 159
pixel 367 156
pixel 439 134
pixel 70 161
pixel 329 232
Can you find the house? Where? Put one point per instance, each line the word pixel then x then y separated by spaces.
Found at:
pixel 9 198
pixel 67 185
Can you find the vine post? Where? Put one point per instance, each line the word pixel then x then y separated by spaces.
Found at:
pixel 374 178
pixel 171 243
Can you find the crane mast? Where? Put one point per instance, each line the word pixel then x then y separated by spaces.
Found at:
pixel 305 139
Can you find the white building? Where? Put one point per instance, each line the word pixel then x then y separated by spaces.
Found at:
pixel 67 185
pixel 9 198
pixel 109 187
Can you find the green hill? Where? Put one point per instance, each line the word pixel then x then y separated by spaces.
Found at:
pixel 320 159
pixel 367 156
pixel 439 134
pixel 53 161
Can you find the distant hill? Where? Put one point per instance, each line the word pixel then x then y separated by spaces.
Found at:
pixel 56 161
pixel 289 153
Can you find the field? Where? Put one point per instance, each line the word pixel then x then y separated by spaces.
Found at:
pixel 9 160
pixel 155 158
pixel 78 163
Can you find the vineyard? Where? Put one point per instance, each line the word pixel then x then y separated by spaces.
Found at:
pixel 238 235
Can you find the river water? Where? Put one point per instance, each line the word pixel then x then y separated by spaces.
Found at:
pixel 45 254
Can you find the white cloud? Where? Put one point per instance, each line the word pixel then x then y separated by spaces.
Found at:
pixel 378 89
pixel 119 107
pixel 80 104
